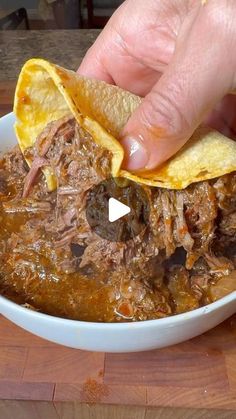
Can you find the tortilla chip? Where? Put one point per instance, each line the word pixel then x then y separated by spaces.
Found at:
pixel 46 92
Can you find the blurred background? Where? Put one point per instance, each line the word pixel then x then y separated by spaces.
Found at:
pixel 55 14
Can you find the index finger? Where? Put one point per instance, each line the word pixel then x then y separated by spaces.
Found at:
pixel 93 63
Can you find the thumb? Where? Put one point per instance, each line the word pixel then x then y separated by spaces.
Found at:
pixel 192 84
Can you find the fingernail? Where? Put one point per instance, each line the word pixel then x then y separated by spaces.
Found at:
pixel 136 156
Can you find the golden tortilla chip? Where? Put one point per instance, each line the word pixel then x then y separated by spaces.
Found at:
pixel 46 92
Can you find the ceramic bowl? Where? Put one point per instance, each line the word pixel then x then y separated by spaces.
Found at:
pixel 112 337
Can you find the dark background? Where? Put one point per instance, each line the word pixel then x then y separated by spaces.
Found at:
pixel 55 14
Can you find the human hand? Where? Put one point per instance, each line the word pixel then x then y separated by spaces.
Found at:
pixel 180 56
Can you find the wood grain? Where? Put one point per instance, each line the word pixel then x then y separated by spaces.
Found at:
pixel 27 410
pixel 12 363
pixel 192 398
pixel 18 390
pixel 111 394
pixel 59 410
pixel 180 376
pixel 180 413
pixel 167 367
pixel 15 336
pixel 76 410
pixel 64 47
pixel 62 365
pixel 231 368
pixel 7 90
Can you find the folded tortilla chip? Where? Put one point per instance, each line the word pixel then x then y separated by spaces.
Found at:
pixel 45 92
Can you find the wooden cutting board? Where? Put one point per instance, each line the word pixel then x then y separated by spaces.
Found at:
pixel 7 89
pixel 39 379
pixel 198 374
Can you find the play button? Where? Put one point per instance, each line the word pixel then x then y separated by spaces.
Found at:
pixel 117 209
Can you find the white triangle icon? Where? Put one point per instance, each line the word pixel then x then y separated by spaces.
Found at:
pixel 116 210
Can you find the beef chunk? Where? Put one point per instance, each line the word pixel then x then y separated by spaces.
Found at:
pixel 51 254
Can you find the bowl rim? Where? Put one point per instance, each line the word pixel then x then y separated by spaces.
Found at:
pixel 170 320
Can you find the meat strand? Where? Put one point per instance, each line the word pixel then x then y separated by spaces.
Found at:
pixel 32 174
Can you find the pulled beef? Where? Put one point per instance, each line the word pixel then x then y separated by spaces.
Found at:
pixel 32 175
pixel 178 218
pixel 52 254
pixel 3 183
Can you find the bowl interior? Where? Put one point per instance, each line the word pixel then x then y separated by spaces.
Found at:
pixel 8 140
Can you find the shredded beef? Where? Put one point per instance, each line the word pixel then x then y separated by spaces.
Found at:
pixel 3 183
pixel 31 176
pixel 178 218
pixel 136 280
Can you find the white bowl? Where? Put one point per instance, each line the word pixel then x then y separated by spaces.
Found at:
pixel 113 337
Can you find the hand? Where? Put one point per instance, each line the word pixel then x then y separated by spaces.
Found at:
pixel 180 56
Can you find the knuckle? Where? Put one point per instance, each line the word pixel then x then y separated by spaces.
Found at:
pixel 164 109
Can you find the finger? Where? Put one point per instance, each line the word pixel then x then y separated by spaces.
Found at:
pixel 127 52
pixel 223 116
pixel 109 61
pixel 196 79
pixel 93 63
